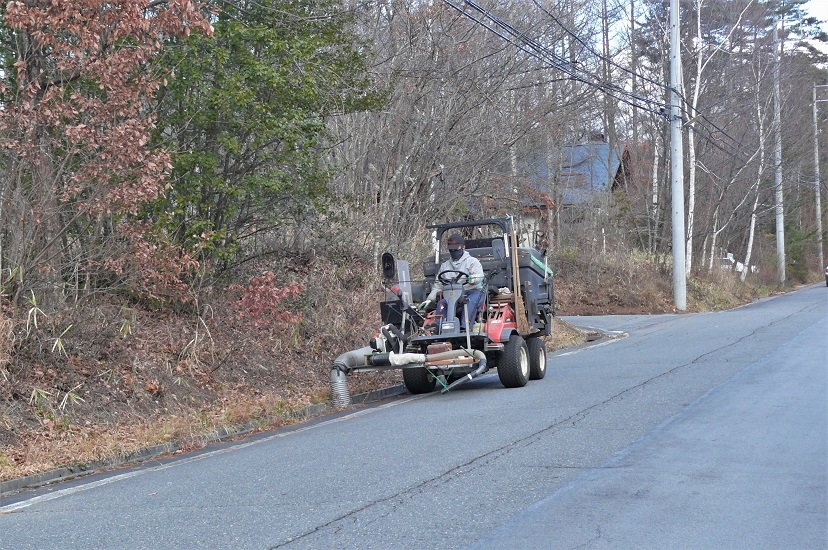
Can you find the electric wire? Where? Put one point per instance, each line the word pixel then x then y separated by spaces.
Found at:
pixel 610 89
pixel 595 52
pixel 542 53
pixel 532 48
pixel 693 112
pixel 575 71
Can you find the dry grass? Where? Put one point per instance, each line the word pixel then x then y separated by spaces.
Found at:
pixel 632 283
pixel 56 445
pixel 619 282
pixel 720 290
pixel 6 342
pixel 564 336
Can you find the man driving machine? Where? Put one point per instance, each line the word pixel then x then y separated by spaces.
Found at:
pixel 459 261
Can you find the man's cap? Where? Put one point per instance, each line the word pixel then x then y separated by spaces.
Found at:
pixel 456 241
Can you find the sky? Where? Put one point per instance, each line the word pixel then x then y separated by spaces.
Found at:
pixel 819 9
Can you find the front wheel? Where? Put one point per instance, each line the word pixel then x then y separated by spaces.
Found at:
pixel 513 367
pixel 418 380
pixel 537 358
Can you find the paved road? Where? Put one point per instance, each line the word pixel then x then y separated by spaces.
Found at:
pixel 689 431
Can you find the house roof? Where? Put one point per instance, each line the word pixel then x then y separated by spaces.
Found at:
pixel 584 169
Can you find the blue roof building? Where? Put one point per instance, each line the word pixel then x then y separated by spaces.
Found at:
pixel 590 168
pixel 585 171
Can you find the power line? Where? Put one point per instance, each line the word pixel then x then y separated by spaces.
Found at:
pixel 694 113
pixel 593 51
pixel 542 53
pixel 531 47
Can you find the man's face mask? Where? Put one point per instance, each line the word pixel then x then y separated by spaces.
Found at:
pixel 456 254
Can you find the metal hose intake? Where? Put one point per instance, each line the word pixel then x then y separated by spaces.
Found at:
pixel 340 396
pixel 342 365
pixel 482 367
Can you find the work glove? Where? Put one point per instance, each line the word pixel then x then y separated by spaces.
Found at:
pixel 423 305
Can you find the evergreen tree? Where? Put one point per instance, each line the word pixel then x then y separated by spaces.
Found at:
pixel 245 118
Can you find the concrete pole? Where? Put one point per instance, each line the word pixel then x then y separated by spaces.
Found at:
pixel 677 163
pixel 777 159
pixel 817 181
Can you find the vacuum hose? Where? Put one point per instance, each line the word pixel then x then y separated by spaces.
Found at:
pixel 340 396
pixel 339 374
pixel 367 357
pixel 405 359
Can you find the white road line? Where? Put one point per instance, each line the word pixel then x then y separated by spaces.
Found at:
pixel 120 477
pixel 618 335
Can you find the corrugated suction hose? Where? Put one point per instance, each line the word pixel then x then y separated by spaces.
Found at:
pixel 340 396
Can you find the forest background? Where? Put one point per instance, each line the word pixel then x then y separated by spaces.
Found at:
pixel 194 195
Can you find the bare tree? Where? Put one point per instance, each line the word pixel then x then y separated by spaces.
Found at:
pixel 467 111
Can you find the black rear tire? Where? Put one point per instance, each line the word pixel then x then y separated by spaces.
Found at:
pixel 513 366
pixel 537 358
pixel 418 380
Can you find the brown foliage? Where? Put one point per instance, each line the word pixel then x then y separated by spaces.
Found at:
pixel 76 122
pixel 148 265
pixel 261 301
pixel 83 82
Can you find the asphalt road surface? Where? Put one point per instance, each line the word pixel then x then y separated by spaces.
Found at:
pixel 682 431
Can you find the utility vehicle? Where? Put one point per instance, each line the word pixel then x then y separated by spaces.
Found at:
pixel 505 333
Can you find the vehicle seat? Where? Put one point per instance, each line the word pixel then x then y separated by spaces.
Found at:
pixel 497 274
pixel 498 249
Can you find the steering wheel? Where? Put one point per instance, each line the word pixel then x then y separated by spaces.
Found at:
pixel 451 276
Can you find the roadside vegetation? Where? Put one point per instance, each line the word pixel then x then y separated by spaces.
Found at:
pixel 102 381
pixel 194 195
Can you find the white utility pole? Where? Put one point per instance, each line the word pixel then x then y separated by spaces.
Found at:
pixel 817 181
pixel 777 158
pixel 677 163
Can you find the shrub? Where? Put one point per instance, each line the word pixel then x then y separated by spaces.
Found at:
pixel 261 301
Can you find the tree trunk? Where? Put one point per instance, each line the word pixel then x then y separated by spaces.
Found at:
pixel 760 172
